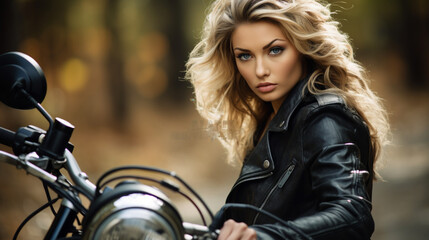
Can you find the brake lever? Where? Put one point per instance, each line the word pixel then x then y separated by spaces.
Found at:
pixel 25 162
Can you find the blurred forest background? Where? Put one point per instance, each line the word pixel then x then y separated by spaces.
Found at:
pixel 115 70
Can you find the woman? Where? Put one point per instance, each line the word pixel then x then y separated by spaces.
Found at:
pixel 279 84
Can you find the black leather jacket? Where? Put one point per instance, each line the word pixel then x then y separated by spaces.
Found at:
pixel 313 169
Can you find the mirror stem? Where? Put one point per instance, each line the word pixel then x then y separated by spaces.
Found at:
pixel 38 106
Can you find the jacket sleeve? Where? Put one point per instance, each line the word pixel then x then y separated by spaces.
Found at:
pixel 339 173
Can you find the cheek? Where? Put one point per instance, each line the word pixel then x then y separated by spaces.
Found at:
pixel 290 69
pixel 244 71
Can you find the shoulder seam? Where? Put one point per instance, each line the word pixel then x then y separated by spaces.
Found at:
pixel 328 98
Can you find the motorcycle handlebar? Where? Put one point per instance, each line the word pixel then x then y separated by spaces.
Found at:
pixel 78 177
pixel 196 229
pixel 6 137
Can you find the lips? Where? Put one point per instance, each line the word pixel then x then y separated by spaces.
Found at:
pixel 266 87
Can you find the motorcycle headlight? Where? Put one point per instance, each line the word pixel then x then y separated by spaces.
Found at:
pixel 133 211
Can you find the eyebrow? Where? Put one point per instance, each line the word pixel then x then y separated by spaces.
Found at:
pixel 264 47
pixel 271 43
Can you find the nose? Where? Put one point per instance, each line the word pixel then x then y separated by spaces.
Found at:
pixel 261 68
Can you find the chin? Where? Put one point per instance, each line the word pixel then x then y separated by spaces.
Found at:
pixel 269 98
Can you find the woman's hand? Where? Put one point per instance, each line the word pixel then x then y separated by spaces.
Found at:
pixel 233 230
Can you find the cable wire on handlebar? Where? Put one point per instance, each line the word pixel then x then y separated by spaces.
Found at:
pixel 79 207
pixel 216 224
pixel 77 188
pixel 162 183
pixel 48 196
pixel 151 169
pixel 29 217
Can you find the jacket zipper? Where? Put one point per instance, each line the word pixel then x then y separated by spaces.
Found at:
pixel 281 182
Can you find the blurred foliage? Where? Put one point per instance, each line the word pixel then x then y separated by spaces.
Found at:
pixel 102 57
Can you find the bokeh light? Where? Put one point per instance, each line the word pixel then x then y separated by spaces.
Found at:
pixel 73 75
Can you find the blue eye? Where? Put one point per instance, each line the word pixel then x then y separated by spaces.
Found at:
pixel 244 56
pixel 276 50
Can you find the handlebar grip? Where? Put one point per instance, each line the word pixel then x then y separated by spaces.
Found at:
pixel 6 137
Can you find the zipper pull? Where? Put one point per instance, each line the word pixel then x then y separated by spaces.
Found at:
pixel 286 175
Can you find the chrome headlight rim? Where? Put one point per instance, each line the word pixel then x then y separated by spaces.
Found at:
pixel 132 196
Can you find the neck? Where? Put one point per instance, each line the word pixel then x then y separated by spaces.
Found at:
pixel 276 104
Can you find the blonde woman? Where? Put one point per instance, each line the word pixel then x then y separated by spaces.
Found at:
pixel 279 84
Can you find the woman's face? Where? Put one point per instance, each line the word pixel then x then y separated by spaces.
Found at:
pixel 266 59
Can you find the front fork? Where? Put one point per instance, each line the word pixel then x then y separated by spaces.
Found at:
pixel 63 221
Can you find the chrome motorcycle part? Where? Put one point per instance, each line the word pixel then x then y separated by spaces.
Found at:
pixel 133 211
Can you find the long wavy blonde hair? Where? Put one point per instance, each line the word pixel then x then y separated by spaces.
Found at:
pixel 232 109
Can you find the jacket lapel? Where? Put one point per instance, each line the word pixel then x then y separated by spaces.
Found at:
pixel 259 163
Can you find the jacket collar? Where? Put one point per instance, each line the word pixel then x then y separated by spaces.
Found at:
pixel 259 162
pixel 280 122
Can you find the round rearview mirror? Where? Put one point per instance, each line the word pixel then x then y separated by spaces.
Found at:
pixel 18 72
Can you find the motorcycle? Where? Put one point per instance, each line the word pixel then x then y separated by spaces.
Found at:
pixel 132 209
